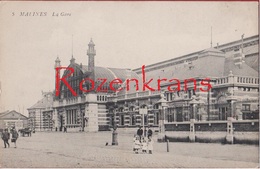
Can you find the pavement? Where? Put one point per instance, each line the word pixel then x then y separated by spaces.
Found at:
pixel 88 150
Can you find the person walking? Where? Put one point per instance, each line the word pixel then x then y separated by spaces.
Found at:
pixel 6 137
pixel 140 132
pixel 15 136
pixel 149 133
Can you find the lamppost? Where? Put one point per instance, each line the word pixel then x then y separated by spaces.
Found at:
pixel 163 104
pixel 114 133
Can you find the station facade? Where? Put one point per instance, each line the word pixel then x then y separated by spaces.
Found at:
pixel 231 70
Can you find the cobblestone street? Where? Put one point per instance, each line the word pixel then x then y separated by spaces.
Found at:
pixel 55 149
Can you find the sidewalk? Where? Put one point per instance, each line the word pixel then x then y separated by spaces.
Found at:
pixel 55 149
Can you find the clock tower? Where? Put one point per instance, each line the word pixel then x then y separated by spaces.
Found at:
pixel 91 108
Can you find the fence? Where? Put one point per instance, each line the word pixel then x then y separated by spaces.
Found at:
pixel 230 131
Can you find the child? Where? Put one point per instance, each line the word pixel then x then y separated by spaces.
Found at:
pixel 137 145
pixel 150 146
pixel 144 146
pixel 134 142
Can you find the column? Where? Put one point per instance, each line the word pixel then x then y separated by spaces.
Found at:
pixel 150 118
pixel 71 116
pixel 175 114
pixel 138 120
pixel 230 136
pixel 192 130
pixel 91 111
pixel 55 118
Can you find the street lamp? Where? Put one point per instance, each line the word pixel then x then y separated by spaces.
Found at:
pixel 114 133
pixel 163 104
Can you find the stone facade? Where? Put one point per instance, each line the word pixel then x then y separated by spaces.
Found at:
pixel 230 69
pixel 9 119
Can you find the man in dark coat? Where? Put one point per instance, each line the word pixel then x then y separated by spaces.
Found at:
pixel 6 137
pixel 149 132
pixel 140 132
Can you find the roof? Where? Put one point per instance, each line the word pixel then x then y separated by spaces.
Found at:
pixel 252 61
pixel 12 115
pixel 45 102
pixel 249 48
pixel 202 67
pixel 212 50
pixel 110 73
pixel 213 64
pixel 245 70
pixel 3 113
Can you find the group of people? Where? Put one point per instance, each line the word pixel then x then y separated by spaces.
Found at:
pixel 6 136
pixel 141 143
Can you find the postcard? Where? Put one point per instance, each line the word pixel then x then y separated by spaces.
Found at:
pixel 129 84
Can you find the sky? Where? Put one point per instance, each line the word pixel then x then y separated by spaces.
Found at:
pixel 126 34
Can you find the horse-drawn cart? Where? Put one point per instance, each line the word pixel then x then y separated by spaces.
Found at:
pixel 25 131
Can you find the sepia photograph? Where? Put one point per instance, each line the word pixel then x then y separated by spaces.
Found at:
pixel 129 84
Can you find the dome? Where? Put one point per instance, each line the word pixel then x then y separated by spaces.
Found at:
pixel 111 73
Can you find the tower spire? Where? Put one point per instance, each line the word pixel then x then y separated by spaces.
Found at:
pixel 91 52
pixel 72 60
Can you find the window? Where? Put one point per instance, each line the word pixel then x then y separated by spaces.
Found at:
pixel 145 119
pixel 156 118
pixel 122 120
pixel 246 107
pixel 133 120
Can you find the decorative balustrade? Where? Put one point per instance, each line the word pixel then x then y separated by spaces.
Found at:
pixel 120 97
pixel 222 80
pixel 132 95
pixel 64 102
pixel 136 95
pixel 247 80
pixel 145 93
pixel 157 92
pixel 111 99
pixel 237 80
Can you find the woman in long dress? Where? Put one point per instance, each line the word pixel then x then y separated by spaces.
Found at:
pixel 14 136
